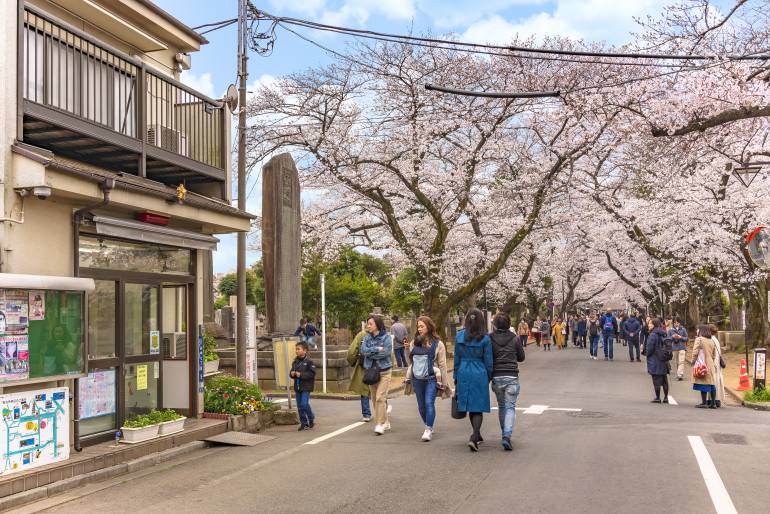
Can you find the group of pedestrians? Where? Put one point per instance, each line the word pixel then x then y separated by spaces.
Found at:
pixel 480 359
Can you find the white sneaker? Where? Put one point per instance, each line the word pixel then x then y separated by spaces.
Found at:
pixel 390 409
pixel 379 429
pixel 427 434
pixel 366 419
pixel 386 426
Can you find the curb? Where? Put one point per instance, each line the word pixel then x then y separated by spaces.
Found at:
pixel 39 493
pixel 756 406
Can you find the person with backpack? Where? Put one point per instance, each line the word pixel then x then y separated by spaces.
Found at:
pixel 428 376
pixel 546 336
pixel 678 334
pixel 400 333
pixel 507 352
pixel 609 332
pixel 473 372
pixel 657 349
pixel 594 328
pixel 632 329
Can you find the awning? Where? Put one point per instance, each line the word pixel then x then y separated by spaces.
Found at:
pixel 138 231
pixel 18 281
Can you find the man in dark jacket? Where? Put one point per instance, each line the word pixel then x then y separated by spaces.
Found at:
pixel 303 373
pixel 678 334
pixel 582 328
pixel 507 352
pixel 632 328
pixel 609 333
pixel 307 331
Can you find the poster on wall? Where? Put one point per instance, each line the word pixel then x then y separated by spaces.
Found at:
pixel 34 430
pixel 154 342
pixel 14 312
pixel 37 305
pixel 14 357
pixel 97 394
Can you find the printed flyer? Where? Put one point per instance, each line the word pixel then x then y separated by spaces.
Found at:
pixel 14 311
pixel 97 394
pixel 14 357
pixel 36 305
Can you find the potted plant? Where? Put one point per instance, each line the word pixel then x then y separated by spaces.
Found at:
pixel 140 428
pixel 170 421
pixel 210 355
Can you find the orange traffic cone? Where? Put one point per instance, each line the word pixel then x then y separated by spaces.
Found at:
pixel 744 385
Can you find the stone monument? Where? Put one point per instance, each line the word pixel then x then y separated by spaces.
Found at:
pixel 281 250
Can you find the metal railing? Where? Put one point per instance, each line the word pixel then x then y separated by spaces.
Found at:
pixel 68 71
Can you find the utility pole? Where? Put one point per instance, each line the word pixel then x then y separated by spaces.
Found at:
pixel 240 315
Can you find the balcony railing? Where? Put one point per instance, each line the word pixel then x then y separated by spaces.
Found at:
pixel 66 74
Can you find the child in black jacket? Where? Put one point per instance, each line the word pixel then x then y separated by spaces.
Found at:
pixel 303 373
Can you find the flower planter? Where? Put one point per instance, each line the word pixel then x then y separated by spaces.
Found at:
pixel 137 435
pixel 211 367
pixel 171 427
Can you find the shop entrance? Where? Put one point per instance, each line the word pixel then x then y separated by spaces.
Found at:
pixel 139 338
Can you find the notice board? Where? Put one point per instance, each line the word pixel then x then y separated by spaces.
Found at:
pixel 41 334
pixel 34 430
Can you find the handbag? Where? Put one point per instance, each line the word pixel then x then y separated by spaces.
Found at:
pixel 699 369
pixel 722 363
pixel 457 414
pixel 372 375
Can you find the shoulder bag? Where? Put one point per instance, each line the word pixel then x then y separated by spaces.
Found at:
pixel 457 414
pixel 372 375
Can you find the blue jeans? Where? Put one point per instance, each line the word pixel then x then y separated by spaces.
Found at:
pixel 306 416
pixel 594 344
pixel 507 391
pixel 310 340
pixel 366 410
pixel 425 390
pixel 609 339
pixel 400 357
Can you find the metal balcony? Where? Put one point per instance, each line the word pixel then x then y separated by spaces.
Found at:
pixel 83 100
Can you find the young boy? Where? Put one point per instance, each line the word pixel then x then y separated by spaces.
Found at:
pixel 303 373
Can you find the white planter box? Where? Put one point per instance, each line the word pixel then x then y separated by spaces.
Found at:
pixel 211 367
pixel 137 435
pixel 171 427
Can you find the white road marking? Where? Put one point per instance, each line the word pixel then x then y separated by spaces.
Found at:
pixel 336 433
pixel 716 488
pixel 672 401
pixel 536 409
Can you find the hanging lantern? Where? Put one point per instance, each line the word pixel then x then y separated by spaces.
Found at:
pixel 758 245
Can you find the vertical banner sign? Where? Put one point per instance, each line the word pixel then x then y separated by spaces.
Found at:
pixel 760 367
pixel 200 363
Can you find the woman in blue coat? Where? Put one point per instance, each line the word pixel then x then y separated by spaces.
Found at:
pixel 473 371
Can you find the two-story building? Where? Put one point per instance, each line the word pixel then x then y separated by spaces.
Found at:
pixel 114 181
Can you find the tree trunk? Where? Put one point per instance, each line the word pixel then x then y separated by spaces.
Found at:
pixel 735 310
pixel 756 316
pixel 693 311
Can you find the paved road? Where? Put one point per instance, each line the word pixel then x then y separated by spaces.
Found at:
pixel 619 454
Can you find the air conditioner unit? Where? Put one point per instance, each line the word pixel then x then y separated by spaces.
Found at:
pixel 168 139
pixel 175 345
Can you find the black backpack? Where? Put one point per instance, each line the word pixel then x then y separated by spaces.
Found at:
pixel 665 350
pixel 593 327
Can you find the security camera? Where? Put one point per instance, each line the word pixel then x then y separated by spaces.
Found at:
pixel 41 192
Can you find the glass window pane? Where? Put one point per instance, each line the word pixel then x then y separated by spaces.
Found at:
pixel 126 256
pixel 141 317
pixel 174 322
pixel 56 340
pixel 101 320
pixel 141 387
pixel 97 401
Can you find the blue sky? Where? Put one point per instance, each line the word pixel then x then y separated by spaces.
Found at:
pixel 496 21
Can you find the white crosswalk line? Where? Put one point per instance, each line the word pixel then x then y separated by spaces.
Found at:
pixel 672 401
pixel 336 433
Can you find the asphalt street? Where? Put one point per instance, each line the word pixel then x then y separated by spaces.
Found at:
pixel 618 454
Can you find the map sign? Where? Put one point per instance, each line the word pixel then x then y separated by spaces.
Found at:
pixel 34 430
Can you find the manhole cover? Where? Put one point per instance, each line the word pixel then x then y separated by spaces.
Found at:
pixel 239 438
pixel 588 414
pixel 729 439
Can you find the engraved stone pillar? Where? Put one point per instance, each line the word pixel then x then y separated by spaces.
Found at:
pixel 281 245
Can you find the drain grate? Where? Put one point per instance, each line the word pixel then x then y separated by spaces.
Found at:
pixel 721 438
pixel 588 414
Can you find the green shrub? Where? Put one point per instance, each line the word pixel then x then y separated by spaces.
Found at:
pixel 757 395
pixel 152 418
pixel 209 348
pixel 141 421
pixel 226 394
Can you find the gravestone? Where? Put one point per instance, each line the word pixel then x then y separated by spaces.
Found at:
pixel 281 251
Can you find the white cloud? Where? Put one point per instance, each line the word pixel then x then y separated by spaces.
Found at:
pixel 200 83
pixel 595 20
pixel 347 12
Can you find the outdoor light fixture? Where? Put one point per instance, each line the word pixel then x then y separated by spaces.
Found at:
pixel 747 174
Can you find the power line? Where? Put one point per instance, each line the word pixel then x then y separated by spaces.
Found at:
pixel 492 94
pixel 574 53
pixel 227 24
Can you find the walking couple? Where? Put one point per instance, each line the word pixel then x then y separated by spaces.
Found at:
pixel 479 359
